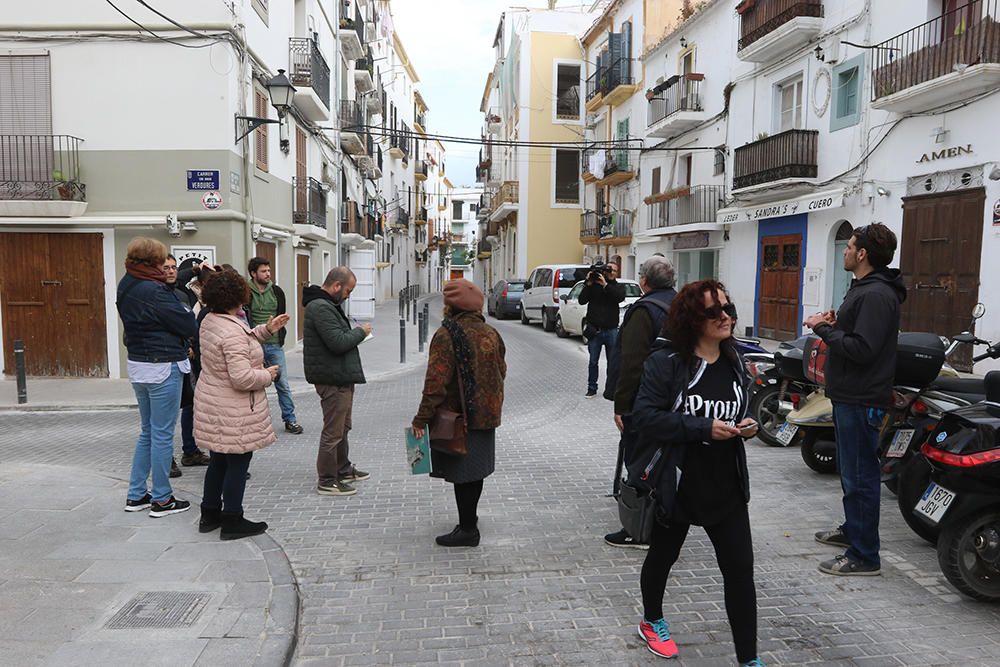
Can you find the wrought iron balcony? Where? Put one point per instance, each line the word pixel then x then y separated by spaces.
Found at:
pixel 399 144
pixel 611 85
pixel 950 57
pixel 758 18
pixel 675 105
pixel 310 202
pixel 44 167
pixel 420 170
pixel 684 206
pixel 401 219
pixel 364 74
pixel 352 132
pixel 309 68
pixel 589 228
pixel 420 119
pixel 791 154
pixel 617 166
pixel 507 194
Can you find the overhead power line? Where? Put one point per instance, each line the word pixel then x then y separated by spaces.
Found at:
pixel 170 20
pixel 160 37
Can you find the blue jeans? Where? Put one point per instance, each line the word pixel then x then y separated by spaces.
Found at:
pixel 605 338
pixel 275 356
pixel 857 428
pixel 158 407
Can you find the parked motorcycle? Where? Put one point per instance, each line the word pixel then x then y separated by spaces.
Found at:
pixel 779 386
pixel 963 497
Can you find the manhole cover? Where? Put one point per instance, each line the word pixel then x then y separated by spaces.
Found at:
pixel 164 609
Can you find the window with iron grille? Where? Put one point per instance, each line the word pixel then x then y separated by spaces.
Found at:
pixel 720 160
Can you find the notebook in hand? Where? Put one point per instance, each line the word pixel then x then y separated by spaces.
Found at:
pixel 418 452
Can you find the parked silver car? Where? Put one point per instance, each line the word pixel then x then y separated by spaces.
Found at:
pixel 544 287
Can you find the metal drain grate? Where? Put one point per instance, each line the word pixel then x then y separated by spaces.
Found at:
pixel 159 609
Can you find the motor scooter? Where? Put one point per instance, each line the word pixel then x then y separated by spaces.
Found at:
pixel 778 387
pixel 963 497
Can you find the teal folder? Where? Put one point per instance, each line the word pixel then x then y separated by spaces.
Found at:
pixel 418 452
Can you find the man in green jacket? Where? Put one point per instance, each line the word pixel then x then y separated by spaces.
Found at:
pixel 333 365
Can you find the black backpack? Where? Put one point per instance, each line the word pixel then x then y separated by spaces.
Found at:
pixel 658 313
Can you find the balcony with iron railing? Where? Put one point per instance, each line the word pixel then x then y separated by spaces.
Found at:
pixel 618 167
pixel 401 219
pixel 952 57
pixel 309 213
pixel 506 200
pixel 364 74
pixel 420 121
pixel 675 105
pixel 770 29
pixel 365 226
pixel 616 227
pixel 611 85
pixel 373 101
pixel 399 144
pixel 420 171
pixel 40 176
pixel 590 230
pixel 685 206
pixel 352 130
pixel 493 121
pixel 310 74
pixel 789 155
pixel 352 36
pixel 421 218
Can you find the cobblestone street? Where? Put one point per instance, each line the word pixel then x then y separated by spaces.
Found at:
pixel 543 588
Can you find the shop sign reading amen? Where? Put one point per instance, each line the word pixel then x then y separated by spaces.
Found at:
pixel 954 151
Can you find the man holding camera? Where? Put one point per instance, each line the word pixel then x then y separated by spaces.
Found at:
pixel 601 294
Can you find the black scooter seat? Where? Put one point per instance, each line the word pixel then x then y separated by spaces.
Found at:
pixel 974 386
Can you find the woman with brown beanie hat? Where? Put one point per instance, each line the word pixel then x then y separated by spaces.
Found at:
pixel 465 349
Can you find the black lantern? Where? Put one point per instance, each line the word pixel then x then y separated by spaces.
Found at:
pixel 281 91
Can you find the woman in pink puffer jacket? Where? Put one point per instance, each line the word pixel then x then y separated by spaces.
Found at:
pixel 231 418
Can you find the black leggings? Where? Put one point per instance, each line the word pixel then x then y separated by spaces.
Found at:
pixel 467 498
pixel 734 553
pixel 226 480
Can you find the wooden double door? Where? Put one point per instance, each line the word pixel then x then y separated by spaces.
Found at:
pixel 52 296
pixel 780 283
pixel 940 260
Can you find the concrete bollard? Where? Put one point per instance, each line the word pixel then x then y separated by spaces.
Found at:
pixel 19 369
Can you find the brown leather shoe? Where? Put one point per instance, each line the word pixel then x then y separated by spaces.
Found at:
pixel 199 459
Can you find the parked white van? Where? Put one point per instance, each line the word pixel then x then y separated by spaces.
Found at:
pixel 544 287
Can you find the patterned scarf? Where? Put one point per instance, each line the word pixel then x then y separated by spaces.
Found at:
pixel 463 361
pixel 146 272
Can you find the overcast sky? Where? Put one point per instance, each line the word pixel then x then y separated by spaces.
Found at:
pixel 450 43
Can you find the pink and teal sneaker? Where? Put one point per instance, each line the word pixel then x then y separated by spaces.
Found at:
pixel 657 637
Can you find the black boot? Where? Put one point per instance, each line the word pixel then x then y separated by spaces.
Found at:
pixel 210 519
pixel 460 537
pixel 234 526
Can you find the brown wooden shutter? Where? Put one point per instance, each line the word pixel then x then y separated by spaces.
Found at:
pixel 301 175
pixel 260 134
pixel 656 181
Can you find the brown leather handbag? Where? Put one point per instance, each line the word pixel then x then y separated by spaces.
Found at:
pixel 447 428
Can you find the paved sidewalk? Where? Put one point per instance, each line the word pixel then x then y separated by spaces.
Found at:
pixel 380 357
pixel 73 565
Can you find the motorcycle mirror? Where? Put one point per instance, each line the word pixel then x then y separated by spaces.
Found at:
pixel 978 311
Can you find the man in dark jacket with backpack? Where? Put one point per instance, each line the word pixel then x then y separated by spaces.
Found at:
pixel 641 324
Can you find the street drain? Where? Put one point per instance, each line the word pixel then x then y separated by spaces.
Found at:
pixel 165 609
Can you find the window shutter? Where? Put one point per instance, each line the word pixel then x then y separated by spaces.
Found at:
pixel 656 181
pixel 26 97
pixel 260 134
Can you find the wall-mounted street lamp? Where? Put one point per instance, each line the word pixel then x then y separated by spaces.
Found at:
pixel 281 91
pixel 684 43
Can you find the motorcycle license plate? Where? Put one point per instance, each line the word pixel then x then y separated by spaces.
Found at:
pixel 900 441
pixel 935 502
pixel 786 433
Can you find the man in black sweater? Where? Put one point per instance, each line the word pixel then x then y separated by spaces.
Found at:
pixel 601 295
pixel 860 367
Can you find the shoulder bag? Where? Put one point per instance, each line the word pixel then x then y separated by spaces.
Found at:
pixel 447 428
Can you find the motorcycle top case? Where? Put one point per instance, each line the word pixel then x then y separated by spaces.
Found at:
pixel 814 360
pixel 919 358
pixel 788 359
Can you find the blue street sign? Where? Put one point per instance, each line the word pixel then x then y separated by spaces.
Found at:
pixel 203 179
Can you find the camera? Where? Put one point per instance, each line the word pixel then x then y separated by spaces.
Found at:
pixel 598 268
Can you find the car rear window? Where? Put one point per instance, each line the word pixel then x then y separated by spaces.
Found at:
pixel 515 287
pixel 631 289
pixel 568 277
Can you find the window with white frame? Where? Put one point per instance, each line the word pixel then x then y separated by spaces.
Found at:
pixel 567 92
pixel 845 97
pixel 790 105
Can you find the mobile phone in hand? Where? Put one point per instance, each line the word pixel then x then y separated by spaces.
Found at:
pixel 747 431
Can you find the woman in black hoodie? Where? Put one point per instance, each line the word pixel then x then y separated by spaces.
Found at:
pixel 691 414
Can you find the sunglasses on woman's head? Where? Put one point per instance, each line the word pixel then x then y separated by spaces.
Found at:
pixel 716 312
